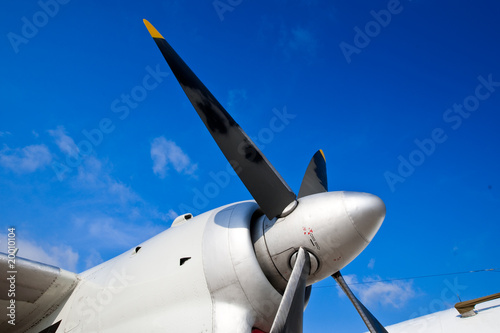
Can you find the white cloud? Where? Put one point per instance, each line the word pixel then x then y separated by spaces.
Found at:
pixel 5 133
pixel 93 176
pixel 109 232
pixel 171 214
pixel 90 173
pixel 98 230
pixel 107 227
pixel 62 256
pixel 371 263
pixel 93 259
pixel 122 192
pixel 65 143
pixel 165 154
pixel 120 201
pixel 302 39
pixel 25 160
pixel 236 96
pixel 394 293
pixel 298 40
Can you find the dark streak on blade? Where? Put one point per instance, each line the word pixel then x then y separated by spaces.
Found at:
pixel 263 182
pixel 251 153
pixel 213 117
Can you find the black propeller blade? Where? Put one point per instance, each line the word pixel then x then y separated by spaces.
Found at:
pixel 374 326
pixel 315 180
pixel 291 310
pixel 263 182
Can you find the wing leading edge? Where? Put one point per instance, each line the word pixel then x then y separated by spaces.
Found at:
pixel 34 288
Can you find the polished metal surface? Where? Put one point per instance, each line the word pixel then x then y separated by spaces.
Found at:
pixel 333 226
pixel 291 310
pixel 366 211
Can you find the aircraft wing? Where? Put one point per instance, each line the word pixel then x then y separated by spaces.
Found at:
pixel 31 291
pixel 486 320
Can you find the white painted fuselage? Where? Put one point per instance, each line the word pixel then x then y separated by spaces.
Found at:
pixel 487 320
pixel 197 276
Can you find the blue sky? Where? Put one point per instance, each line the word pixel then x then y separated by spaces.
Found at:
pixel 403 97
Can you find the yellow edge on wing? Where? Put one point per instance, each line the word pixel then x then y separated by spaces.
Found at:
pixel 152 30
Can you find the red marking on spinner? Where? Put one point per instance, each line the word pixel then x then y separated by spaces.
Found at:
pixel 307 231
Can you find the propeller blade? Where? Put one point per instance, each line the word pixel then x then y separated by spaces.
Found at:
pixel 315 180
pixel 291 310
pixel 258 175
pixel 374 326
pixel 307 296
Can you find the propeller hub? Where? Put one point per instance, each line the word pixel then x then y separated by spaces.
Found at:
pixel 366 212
pixel 334 227
pixel 313 261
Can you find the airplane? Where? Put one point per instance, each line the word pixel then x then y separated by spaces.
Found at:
pixel 244 267
pixel 480 314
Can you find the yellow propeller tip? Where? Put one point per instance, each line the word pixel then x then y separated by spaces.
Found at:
pixel 322 154
pixel 152 30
